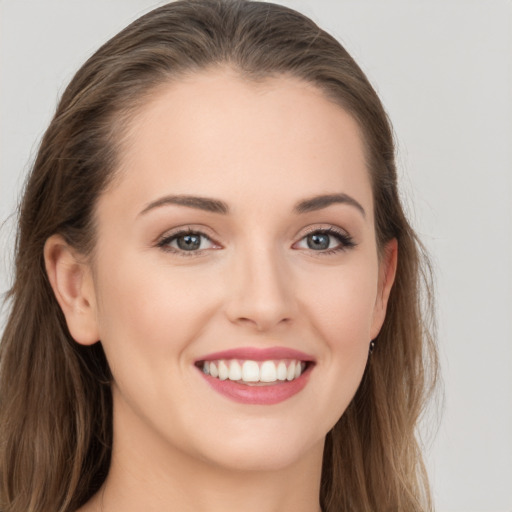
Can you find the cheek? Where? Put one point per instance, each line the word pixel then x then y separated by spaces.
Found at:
pixel 149 317
pixel 342 305
pixel 341 312
pixel 144 307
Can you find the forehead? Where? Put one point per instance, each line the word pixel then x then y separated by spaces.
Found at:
pixel 215 133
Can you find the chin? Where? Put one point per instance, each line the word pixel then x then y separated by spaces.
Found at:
pixel 264 450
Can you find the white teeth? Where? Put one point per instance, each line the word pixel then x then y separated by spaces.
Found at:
pixel 268 372
pixel 250 371
pixel 254 371
pixel 235 371
pixel 290 374
pixel 281 371
pixel 223 370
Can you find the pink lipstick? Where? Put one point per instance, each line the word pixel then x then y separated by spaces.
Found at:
pixel 257 376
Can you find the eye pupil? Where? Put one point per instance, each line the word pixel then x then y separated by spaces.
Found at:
pixel 189 242
pixel 318 241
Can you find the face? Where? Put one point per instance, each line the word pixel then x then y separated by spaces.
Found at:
pixel 235 252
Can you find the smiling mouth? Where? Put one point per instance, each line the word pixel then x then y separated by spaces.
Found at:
pixel 254 373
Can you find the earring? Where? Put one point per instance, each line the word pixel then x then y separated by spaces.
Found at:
pixel 372 346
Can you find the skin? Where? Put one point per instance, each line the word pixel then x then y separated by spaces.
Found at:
pixel 255 282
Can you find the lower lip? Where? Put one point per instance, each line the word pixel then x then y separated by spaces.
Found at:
pixel 259 395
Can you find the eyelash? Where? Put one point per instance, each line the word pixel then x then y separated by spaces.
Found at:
pixel 165 242
pixel 345 241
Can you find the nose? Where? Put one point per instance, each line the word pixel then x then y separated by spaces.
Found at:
pixel 260 291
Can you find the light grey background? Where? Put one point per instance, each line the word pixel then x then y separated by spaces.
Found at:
pixel 444 71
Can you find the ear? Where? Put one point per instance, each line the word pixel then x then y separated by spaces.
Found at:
pixel 387 272
pixel 73 287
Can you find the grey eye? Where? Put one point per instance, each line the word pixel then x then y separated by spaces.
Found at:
pixel 189 242
pixel 325 241
pixel 318 241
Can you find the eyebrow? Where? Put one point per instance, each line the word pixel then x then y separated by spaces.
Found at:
pixel 218 206
pixel 323 201
pixel 201 203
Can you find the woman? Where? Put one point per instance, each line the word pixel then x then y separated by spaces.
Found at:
pixel 217 294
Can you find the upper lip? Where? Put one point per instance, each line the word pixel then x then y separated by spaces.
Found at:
pixel 258 354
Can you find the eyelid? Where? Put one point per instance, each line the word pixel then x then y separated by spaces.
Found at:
pixel 324 227
pixel 170 235
pixel 345 239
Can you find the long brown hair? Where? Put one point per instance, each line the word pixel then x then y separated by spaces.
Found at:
pixel 55 398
